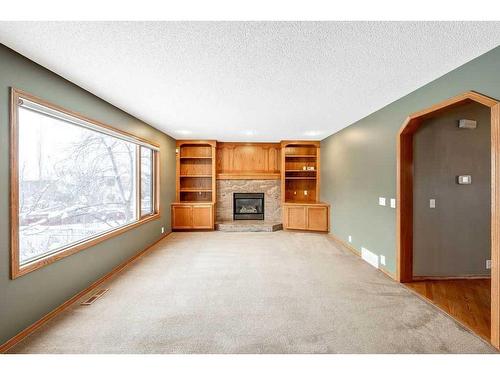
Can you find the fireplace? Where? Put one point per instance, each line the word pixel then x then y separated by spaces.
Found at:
pixel 248 206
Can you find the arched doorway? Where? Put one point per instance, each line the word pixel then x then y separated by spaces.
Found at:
pixel 405 195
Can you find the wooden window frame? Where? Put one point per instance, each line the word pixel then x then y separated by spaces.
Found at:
pixel 16 269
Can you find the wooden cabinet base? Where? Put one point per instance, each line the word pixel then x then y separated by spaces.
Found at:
pixel 306 216
pixel 191 216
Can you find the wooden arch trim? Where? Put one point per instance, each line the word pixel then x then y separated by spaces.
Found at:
pixel 404 210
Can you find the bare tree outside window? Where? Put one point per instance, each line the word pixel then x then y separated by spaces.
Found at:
pixel 74 183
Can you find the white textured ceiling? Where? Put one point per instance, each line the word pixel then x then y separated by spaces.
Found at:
pixel 250 81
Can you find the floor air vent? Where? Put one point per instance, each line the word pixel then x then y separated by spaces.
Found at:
pixel 92 299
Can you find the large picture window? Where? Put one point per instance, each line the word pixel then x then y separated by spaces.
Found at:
pixel 74 181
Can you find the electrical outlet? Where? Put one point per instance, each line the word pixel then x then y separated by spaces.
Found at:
pixel 393 202
pixel 488 264
pixel 350 239
pixel 381 201
pixel 305 192
pixel 162 230
pixel 382 260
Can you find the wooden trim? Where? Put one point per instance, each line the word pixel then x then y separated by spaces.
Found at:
pixel 155 175
pixel 318 175
pixel 248 176
pixel 214 171
pixel 464 277
pixel 14 186
pixel 138 192
pixel 40 322
pixel 306 204
pixel 495 226
pixel 358 254
pixel 16 270
pixel 17 93
pixel 157 182
pixel 469 96
pixel 182 142
pixel 404 208
pixel 299 143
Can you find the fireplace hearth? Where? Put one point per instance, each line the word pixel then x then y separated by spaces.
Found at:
pixel 248 206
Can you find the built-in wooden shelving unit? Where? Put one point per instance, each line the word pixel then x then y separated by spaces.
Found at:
pixel 299 171
pixel 195 185
pixel 300 180
pixel 295 163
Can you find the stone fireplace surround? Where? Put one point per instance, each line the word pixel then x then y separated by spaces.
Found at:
pixel 270 188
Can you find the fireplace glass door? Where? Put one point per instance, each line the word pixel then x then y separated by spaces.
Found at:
pixel 248 206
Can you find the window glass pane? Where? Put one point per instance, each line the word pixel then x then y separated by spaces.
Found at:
pixel 74 183
pixel 146 181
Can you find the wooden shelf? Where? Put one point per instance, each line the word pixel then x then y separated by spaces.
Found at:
pixel 194 190
pixel 191 202
pixel 195 175
pixel 249 176
pixel 297 184
pixel 195 185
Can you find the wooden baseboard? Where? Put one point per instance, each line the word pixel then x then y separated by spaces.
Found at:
pixel 464 277
pixel 33 327
pixel 357 253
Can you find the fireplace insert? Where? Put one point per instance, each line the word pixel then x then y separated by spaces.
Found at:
pixel 248 206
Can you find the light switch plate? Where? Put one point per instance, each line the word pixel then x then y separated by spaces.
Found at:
pixel 432 203
pixel 488 264
pixel 350 239
pixel 163 229
pixel 381 201
pixel 393 202
pixel 464 180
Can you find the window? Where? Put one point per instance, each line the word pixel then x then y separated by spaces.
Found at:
pixel 146 181
pixel 75 182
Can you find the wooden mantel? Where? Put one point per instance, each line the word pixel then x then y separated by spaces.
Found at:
pixel 248 161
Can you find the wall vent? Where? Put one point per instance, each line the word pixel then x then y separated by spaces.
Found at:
pixel 92 299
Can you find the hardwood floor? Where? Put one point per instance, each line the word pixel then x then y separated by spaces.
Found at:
pixel 468 301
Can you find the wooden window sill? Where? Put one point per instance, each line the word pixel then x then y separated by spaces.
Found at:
pixel 20 270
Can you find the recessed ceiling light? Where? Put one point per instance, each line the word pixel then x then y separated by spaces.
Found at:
pixel 312 133
pixel 183 132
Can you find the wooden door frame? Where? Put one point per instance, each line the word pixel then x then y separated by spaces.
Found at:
pixel 404 210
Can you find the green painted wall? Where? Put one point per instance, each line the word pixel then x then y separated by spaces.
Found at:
pixel 358 163
pixel 28 298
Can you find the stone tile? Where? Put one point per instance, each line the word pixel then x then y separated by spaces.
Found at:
pixel 270 188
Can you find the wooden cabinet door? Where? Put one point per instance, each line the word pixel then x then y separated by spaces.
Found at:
pixel 295 217
pixel 182 217
pixel 317 218
pixel 202 217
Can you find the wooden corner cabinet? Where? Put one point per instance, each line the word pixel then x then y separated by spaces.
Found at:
pixel 195 185
pixel 300 181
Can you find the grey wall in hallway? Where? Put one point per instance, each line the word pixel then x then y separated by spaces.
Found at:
pixel 358 164
pixel 28 298
pixel 452 239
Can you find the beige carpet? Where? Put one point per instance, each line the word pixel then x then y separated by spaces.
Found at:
pixel 278 292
